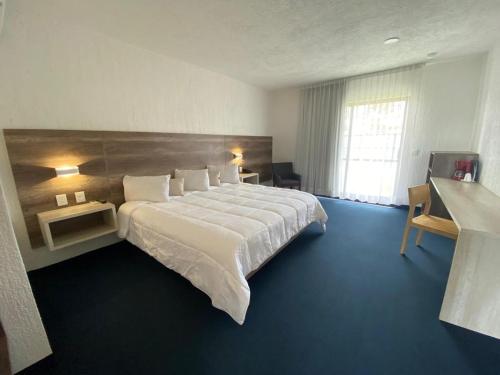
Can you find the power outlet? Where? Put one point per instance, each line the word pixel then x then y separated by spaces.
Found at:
pixel 80 196
pixel 61 200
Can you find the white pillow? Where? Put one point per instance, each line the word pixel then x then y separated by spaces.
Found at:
pixel 228 173
pixel 194 179
pixel 146 188
pixel 214 177
pixel 176 187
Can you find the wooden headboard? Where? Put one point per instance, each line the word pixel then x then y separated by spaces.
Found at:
pixel 104 157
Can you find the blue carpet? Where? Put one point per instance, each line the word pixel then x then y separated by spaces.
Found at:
pixel 344 302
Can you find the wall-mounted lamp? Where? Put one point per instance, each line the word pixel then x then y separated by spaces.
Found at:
pixel 238 160
pixel 67 171
pixel 238 157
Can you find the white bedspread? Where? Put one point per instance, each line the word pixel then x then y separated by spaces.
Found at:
pixel 217 237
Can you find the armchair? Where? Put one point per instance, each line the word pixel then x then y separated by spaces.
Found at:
pixel 283 176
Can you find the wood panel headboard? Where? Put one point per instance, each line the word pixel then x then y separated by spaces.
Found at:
pixel 104 157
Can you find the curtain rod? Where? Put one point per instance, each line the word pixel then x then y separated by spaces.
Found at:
pixel 342 79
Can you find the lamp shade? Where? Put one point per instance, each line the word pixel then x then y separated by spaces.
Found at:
pixel 67 171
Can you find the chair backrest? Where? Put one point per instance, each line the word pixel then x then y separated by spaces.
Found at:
pixel 283 169
pixel 419 194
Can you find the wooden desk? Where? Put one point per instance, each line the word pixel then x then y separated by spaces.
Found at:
pixel 472 298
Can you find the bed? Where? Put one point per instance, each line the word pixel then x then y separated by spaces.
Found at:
pixel 218 238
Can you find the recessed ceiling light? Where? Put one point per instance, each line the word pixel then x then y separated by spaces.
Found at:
pixel 431 55
pixel 392 40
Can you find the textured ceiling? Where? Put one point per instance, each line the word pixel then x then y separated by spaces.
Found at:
pixel 283 43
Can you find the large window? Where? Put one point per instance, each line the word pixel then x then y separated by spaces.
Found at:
pixel 357 137
pixel 372 135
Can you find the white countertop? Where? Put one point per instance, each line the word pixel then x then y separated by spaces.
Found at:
pixel 471 205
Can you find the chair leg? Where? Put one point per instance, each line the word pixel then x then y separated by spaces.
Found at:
pixel 405 239
pixel 418 240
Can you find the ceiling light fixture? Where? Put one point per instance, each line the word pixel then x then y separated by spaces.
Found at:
pixel 392 40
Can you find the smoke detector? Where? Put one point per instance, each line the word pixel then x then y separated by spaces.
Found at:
pixel 392 40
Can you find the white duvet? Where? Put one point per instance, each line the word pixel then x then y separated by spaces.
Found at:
pixel 217 237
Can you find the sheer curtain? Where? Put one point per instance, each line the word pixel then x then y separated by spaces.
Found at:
pixel 374 162
pixel 318 136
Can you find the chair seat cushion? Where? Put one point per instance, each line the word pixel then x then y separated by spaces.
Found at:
pixel 436 225
pixel 289 182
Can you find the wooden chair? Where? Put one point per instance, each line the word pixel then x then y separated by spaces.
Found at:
pixel 425 222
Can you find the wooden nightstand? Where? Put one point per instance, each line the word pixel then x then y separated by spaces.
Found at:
pixel 70 225
pixel 251 178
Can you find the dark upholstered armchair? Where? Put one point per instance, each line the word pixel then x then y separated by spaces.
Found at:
pixel 283 176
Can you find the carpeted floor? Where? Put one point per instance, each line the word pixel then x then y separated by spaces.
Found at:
pixel 344 302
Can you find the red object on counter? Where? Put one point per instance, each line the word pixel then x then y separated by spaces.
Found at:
pixel 461 168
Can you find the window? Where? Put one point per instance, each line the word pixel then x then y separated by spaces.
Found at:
pixel 370 156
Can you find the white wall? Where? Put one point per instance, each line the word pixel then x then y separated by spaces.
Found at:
pixel 447 118
pixel 56 75
pixel 284 119
pixel 450 95
pixel 489 144
pixel 26 337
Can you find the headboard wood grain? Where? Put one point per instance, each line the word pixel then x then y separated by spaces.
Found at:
pixel 104 157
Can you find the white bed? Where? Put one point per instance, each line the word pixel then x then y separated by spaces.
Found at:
pixel 218 237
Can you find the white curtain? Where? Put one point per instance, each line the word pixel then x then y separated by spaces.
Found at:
pixel 318 136
pixel 375 153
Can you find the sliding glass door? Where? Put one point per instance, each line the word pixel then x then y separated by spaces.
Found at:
pixel 371 134
pixel 357 137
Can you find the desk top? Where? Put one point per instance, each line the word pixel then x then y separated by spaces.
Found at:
pixel 471 205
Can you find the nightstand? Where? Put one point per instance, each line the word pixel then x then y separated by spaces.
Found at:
pixel 251 178
pixel 70 225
